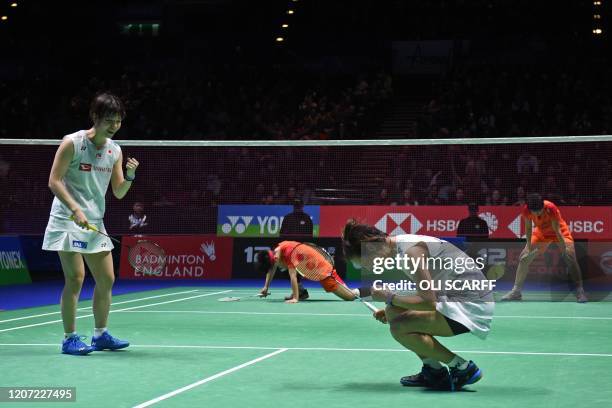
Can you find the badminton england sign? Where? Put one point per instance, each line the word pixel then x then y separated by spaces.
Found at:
pixel 258 220
pixel 201 257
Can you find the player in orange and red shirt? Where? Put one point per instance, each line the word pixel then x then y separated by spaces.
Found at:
pixel 269 261
pixel 544 225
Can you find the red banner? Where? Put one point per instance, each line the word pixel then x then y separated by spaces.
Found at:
pixel 442 221
pixel 202 257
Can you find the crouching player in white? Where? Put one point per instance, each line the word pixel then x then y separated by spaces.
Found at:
pixel 416 320
pixel 84 165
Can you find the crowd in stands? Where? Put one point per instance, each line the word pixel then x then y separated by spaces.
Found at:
pixel 199 101
pixel 242 101
pixel 193 180
pixel 485 100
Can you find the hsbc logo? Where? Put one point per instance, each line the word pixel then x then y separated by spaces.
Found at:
pixel 580 226
pixel 85 167
pixel 399 223
pixel 586 226
pixel 516 226
pixel 491 221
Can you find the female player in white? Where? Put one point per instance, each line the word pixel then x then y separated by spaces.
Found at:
pixel 84 165
pixel 416 320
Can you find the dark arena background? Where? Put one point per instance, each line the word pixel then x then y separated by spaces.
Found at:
pixel 440 118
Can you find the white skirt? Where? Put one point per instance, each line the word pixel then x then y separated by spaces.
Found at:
pixel 476 316
pixel 65 235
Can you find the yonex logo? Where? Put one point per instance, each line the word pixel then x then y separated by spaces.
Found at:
pixel 491 220
pixel 399 223
pixel 237 223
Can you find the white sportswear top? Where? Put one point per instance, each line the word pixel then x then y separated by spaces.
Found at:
pixel 88 177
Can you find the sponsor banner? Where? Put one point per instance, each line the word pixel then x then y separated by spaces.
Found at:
pixel 442 221
pixel 258 220
pixel 547 267
pixel 202 257
pixel 600 260
pixel 246 248
pixel 13 268
pixel 44 265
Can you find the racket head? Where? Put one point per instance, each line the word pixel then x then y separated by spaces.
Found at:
pixel 147 257
pixel 311 261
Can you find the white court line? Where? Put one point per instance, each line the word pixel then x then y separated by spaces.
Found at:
pixel 89 307
pixel 118 310
pixel 332 349
pixel 208 379
pixel 348 314
pixel 249 313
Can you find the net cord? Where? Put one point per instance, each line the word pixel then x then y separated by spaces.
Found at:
pixel 318 143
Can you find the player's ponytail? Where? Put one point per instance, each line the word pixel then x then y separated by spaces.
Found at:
pixel 354 234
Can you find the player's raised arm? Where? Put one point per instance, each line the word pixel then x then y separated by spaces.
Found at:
pixel 121 184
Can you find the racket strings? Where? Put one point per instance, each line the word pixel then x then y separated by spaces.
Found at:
pixel 312 262
pixel 147 256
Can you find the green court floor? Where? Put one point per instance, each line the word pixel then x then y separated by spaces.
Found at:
pixel 189 350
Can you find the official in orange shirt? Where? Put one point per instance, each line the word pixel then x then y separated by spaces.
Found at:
pixel 544 225
pixel 269 261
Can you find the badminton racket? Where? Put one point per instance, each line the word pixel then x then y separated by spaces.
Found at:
pixel 315 263
pixel 236 299
pixel 144 256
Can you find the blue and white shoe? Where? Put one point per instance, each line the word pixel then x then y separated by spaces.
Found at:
pixel 74 345
pixel 107 342
pixel 428 377
pixel 469 375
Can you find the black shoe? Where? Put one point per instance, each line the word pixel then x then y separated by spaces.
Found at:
pixel 303 295
pixel 428 377
pixel 469 375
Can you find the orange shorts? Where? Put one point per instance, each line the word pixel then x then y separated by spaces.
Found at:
pixel 330 284
pixel 541 241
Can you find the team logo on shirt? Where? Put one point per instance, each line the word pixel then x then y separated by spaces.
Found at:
pixel 85 167
pixel 79 244
pixel 98 155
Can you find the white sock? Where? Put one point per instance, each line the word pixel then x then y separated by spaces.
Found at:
pixel 458 362
pixel 430 362
pixel 66 335
pixel 99 332
pixel 356 292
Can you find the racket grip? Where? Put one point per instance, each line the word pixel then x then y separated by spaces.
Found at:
pixel 88 226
